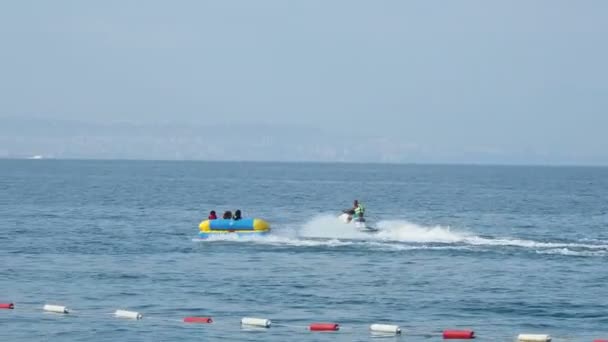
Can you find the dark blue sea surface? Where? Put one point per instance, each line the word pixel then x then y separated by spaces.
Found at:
pixel 497 249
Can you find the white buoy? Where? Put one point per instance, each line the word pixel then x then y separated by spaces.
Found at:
pixel 128 314
pixel 256 322
pixel 55 308
pixel 385 329
pixel 533 338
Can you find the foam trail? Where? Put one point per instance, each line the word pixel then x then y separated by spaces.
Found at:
pixel 529 243
pixel 328 231
pixel 404 231
pixel 329 226
pixel 279 237
pixel 410 232
pixel 569 252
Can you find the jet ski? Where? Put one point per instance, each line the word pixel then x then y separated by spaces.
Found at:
pixel 359 222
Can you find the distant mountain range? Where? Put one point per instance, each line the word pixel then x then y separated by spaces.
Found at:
pixel 67 139
pixel 43 138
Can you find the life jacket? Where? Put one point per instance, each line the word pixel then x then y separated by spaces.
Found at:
pixel 359 210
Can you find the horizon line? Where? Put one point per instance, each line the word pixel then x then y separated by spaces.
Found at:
pixel 478 164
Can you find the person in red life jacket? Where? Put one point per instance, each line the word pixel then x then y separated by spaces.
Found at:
pixel 212 215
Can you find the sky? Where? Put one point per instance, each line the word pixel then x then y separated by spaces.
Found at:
pixel 508 82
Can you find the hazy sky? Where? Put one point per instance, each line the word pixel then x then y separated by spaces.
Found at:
pixel 467 81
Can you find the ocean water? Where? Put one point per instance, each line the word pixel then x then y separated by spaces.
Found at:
pixel 500 250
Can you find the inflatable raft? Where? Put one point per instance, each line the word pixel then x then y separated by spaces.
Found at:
pixel 246 226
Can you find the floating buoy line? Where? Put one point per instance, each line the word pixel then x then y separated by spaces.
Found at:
pixel 265 324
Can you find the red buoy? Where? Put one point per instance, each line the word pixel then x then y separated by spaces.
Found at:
pixel 324 327
pixel 458 334
pixel 203 320
pixel 7 306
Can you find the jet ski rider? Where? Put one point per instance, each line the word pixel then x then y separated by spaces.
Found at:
pixel 359 210
pixel 356 212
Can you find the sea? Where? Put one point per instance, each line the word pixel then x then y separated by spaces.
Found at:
pixel 500 250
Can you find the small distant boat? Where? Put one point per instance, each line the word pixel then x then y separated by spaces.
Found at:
pixel 242 227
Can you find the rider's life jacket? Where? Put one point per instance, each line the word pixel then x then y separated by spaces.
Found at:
pixel 359 210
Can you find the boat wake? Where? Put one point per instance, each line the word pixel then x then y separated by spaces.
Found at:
pixel 400 235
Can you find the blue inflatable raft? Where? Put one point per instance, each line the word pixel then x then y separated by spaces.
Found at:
pixel 246 226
